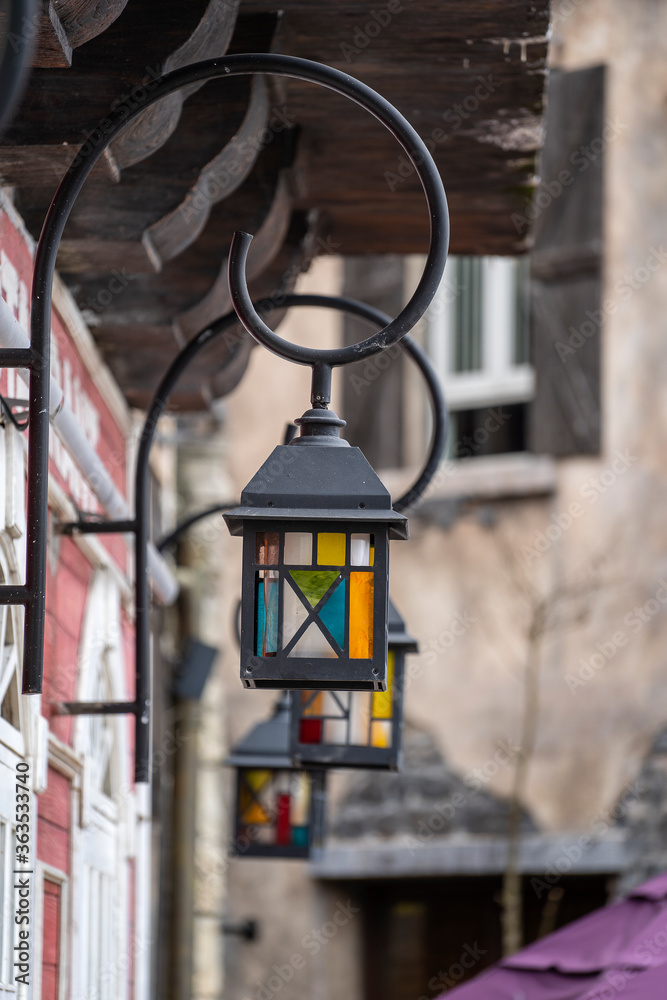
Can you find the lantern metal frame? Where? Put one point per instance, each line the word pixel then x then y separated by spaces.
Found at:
pixel 328 754
pixel 265 748
pixel 36 358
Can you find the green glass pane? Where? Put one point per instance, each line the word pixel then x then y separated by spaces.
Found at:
pixel 313 584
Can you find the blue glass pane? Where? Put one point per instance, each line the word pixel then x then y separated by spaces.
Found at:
pixel 300 836
pixel 267 617
pixel 333 614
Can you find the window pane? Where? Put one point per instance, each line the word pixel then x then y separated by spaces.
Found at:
pixel 362 550
pixel 298 548
pixel 312 644
pixel 332 614
pixel 383 700
pixel 314 584
pixel 266 607
pixel 361 616
pixel 360 718
pixel 381 734
pixel 294 613
pixel 331 548
pixel 468 315
pixel 267 548
pixel 335 732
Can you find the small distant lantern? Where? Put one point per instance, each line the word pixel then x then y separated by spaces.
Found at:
pixel 280 807
pixel 316 523
pixel 355 729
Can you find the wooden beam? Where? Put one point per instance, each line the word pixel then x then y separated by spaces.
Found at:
pixel 53 49
pixel 265 246
pixel 85 19
pixel 151 130
pixel 219 179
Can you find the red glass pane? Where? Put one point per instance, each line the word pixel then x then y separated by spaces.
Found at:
pixel 282 819
pixel 310 731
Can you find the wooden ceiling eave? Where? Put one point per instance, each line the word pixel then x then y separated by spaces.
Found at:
pixel 179 227
pixel 64 25
pixel 218 369
pixel 161 206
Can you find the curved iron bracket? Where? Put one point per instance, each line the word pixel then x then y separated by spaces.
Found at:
pixel 37 358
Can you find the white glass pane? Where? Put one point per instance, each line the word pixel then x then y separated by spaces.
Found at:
pixel 294 613
pixel 300 801
pixel 335 732
pixel 298 548
pixel 360 550
pixel 312 643
pixel 360 716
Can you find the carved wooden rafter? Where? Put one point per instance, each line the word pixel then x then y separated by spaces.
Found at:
pixel 265 246
pixel 219 179
pixel 179 228
pixel 150 130
pixel 218 369
pixel 64 25
pixel 196 280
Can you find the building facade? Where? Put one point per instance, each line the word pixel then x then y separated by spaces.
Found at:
pixel 86 834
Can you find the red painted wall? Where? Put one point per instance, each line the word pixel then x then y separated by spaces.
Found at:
pixel 68 580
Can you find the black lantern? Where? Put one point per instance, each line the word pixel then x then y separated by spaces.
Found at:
pixel 354 729
pixel 280 807
pixel 316 523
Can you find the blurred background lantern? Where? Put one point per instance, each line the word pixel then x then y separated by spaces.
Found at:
pixel 280 808
pixel 355 728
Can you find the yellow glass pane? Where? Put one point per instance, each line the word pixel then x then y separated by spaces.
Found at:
pixel 381 734
pixel 331 548
pixel 251 811
pixel 257 779
pixel 382 700
pixel 361 616
pixel 312 704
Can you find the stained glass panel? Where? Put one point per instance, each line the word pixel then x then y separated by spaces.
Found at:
pixel 312 644
pixel 361 616
pixel 267 548
pixel 313 584
pixel 332 613
pixel 266 604
pixel 298 548
pixel 362 550
pixel 383 700
pixel 331 548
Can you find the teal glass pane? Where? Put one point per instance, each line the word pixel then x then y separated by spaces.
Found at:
pixel 267 617
pixel 332 614
pixel 300 836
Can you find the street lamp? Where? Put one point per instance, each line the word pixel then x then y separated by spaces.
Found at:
pixel 280 807
pixel 316 523
pixel 355 729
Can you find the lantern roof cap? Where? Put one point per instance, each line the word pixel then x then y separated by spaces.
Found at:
pixel 318 482
pixel 267 743
pixel 398 634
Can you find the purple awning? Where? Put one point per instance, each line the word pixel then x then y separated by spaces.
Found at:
pixel 619 949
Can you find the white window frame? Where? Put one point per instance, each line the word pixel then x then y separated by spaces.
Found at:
pixel 500 381
pixel 47 873
pixel 105 836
